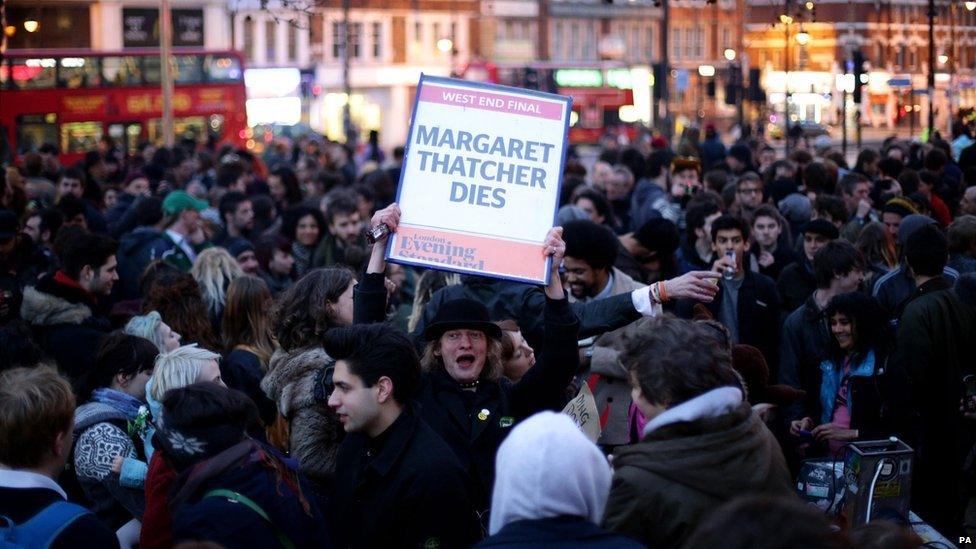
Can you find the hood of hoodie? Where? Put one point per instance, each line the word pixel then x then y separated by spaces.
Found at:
pixel 137 239
pixel 720 456
pixel 50 303
pixel 547 468
pixel 291 377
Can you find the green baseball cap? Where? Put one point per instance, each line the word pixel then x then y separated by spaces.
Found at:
pixel 178 201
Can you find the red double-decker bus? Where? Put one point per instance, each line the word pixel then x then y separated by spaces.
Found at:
pixel 73 98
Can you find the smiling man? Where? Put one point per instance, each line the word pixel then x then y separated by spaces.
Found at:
pixel 397 483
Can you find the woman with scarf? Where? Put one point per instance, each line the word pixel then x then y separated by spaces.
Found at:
pixel 305 227
pixel 849 405
pixel 231 489
pixel 107 426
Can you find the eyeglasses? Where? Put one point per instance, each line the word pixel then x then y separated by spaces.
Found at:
pixel 749 191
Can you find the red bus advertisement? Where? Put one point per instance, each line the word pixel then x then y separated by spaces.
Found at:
pixel 73 98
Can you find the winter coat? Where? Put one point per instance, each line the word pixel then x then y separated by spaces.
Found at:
pixel 894 288
pixel 315 428
pixel 241 369
pixel 864 395
pixel 291 508
pixel 757 314
pixel 20 501
pixel 407 490
pixel 475 425
pixel 136 250
pixel 557 533
pixel 802 348
pixel 795 284
pixel 666 484
pixel 100 435
pixel 689 260
pixel 63 325
pixel 935 350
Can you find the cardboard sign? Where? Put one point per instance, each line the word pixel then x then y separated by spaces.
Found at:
pixel 480 180
pixel 582 410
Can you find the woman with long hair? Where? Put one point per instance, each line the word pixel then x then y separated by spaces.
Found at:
pixel 285 189
pixel 177 298
pixel 848 405
pixel 248 345
pixel 214 269
pixel 878 248
pixel 298 375
pixel 305 227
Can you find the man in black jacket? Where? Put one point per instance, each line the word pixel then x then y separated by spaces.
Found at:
pixel 397 483
pixel 36 416
pixel 796 282
pixel 748 304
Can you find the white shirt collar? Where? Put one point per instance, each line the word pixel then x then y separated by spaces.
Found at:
pixel 12 478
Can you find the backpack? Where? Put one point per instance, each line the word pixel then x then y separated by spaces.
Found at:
pixel 42 529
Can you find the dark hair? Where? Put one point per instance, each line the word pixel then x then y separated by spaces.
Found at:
pixel 695 219
pixel 51 220
pixel 229 203
pixel 74 173
pixel 730 222
pixel 599 201
pixel 658 235
pixel 828 205
pixel 295 214
pixel 816 179
pixel 837 258
pixel 590 242
pixel 687 361
pixel 207 404
pixel 890 167
pixel 768 210
pixel 86 249
pixel 341 204
pixel 302 313
pixel 265 248
pixel 927 251
pixel 373 351
pixel 293 191
pixel 908 179
pixel 935 160
pixel 71 206
pixel 849 182
pixel 756 522
pixel 119 354
pixel 716 179
pixel 869 321
pixel 229 172
pixel 866 156
pixel 17 346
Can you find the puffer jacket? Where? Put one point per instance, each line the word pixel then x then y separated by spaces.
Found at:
pixel 315 428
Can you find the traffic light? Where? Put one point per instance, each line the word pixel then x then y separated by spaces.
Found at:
pixel 858 59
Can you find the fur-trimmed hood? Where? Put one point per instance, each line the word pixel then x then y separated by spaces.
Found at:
pixel 291 378
pixel 45 309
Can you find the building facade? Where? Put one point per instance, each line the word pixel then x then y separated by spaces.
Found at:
pixel 892 37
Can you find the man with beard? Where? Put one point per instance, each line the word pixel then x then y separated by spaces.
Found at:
pixel 591 251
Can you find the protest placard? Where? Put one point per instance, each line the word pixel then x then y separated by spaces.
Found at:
pixel 480 180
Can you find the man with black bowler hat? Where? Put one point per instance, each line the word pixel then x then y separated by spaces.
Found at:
pixel 464 396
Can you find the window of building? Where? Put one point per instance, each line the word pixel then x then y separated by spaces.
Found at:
pixel 699 42
pixel 727 38
pixel 292 40
pixel 574 39
pixel 270 31
pixel 377 40
pixel 690 37
pixel 557 41
pixel 589 45
pixel 437 32
pixel 418 32
pixel 249 38
pixel 676 43
pixel 337 33
pixel 355 40
pixel 649 47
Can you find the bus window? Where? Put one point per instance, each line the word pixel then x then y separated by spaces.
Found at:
pixel 187 69
pixel 121 71
pixel 34 130
pixel 80 72
pixel 153 69
pixel 190 127
pixel 33 74
pixel 80 137
pixel 222 68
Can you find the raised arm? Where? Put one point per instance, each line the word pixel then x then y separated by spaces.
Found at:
pixel 370 296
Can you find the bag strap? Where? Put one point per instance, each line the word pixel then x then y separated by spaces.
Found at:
pixel 43 528
pixel 238 497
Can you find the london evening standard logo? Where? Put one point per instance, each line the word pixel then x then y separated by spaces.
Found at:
pixel 437 249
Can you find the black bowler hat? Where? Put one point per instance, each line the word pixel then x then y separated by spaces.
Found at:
pixel 461 314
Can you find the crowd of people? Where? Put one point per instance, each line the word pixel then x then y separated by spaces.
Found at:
pixel 200 345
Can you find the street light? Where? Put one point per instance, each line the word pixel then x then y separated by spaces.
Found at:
pixel 31 25
pixel 802 38
pixel 729 54
pixel 943 59
pixel 706 70
pixel 971 6
pixel 445 45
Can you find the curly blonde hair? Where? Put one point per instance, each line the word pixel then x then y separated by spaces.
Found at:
pixel 214 269
pixel 431 361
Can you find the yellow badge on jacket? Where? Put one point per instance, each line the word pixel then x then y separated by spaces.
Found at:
pixel 483 414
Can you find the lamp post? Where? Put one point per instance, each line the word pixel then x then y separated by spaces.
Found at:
pixel 787 20
pixel 735 81
pixel 704 71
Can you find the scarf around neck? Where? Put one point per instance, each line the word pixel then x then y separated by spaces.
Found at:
pixel 123 402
